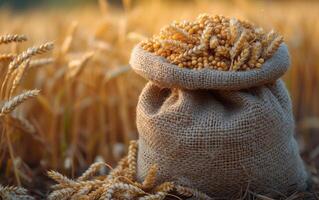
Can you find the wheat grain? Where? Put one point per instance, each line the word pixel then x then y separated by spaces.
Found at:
pixel 213 42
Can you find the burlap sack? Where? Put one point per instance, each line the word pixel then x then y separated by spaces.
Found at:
pixel 217 131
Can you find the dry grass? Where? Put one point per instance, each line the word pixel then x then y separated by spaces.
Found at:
pixel 86 109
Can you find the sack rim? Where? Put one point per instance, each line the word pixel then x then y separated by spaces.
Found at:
pixel 159 70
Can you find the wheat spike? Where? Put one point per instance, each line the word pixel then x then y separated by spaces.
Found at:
pixel 94 168
pixel 12 38
pixel 165 187
pixel 132 155
pixel 18 60
pixel 157 196
pixel 234 30
pixel 18 76
pixel 242 58
pixel 213 42
pixel 12 192
pixel 206 35
pixel 76 66
pixel 28 53
pixel 60 178
pixel 239 44
pixel 256 51
pixel 173 44
pixel 81 193
pixel 173 29
pixel 190 192
pixel 11 104
pixel 41 62
pixel 150 178
pixel 62 194
pixel 121 187
pixel 66 45
pixel 273 47
pixel 269 38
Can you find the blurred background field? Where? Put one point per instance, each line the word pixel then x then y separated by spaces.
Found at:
pixel 86 110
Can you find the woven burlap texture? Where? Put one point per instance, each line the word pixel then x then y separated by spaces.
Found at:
pixel 218 131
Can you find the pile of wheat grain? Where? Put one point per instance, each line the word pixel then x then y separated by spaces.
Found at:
pixel 121 183
pixel 214 42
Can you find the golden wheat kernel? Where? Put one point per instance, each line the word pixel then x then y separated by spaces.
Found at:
pixel 180 65
pixel 210 58
pixel 258 65
pixel 191 31
pixel 261 60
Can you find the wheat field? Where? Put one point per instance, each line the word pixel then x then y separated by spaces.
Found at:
pixel 85 109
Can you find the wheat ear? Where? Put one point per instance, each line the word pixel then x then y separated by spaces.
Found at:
pixel 131 159
pixel 61 194
pixel 22 57
pixel 190 192
pixel 150 178
pixel 234 29
pixel 239 44
pixel 157 196
pixel 11 104
pixel 272 48
pixel 256 51
pixel 94 168
pixel 41 62
pixel 242 58
pixel 18 77
pixel 12 38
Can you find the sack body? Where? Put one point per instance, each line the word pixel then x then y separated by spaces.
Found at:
pixel 218 131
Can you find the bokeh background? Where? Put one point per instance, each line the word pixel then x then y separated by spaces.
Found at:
pixel 87 113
